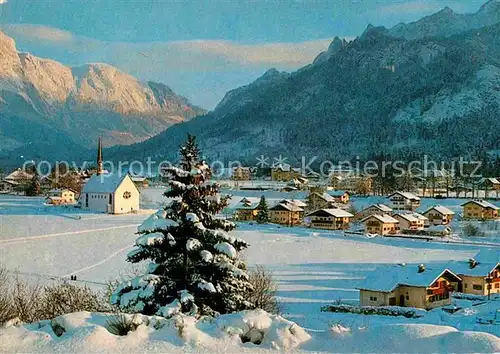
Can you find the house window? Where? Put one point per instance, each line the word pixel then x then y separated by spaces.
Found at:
pixel 465 286
pixel 497 285
pixel 373 298
pixel 477 287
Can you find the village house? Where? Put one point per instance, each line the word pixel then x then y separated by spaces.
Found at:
pixel 409 286
pixel 439 215
pixel 404 201
pixel 109 193
pixel 241 173
pixel 491 183
pixel 410 221
pixel 340 196
pixel 381 224
pixel 61 196
pixel 331 219
pixel 375 209
pixel 246 209
pixel 285 173
pixel 8 187
pixel 480 210
pixel 286 214
pixel 317 201
pixel 20 176
pixel 478 277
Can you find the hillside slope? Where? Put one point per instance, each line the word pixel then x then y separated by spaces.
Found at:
pixel 377 94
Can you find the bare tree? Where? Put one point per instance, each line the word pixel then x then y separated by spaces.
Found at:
pixel 264 290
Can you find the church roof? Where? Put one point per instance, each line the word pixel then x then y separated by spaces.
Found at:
pixel 104 183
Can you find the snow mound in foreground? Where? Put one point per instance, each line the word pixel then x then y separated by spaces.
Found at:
pixel 91 332
pixel 247 331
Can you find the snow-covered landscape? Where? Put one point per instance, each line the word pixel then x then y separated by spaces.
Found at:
pixel 313 268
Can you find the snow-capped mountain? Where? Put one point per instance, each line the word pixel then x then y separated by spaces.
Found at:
pixel 43 102
pixel 434 92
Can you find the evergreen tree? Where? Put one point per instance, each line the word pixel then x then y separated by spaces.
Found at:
pixel 34 187
pixel 194 263
pixel 262 214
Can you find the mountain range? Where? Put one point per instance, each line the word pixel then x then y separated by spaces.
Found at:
pixel 429 87
pixel 48 109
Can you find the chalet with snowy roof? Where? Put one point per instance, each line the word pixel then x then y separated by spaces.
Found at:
pixel 330 219
pixel 409 286
pixel 340 196
pixel 8 186
pixel 439 215
pixel 317 201
pixel 109 193
pixel 247 209
pixel 404 201
pixel 375 209
pixel 410 221
pixel 20 176
pixel 380 224
pixel 286 214
pixel 284 172
pixel 61 196
pixel 491 183
pixel 479 277
pixel 480 210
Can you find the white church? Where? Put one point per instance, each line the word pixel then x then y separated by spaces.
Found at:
pixel 111 193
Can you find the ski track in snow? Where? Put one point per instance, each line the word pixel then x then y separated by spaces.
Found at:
pixel 33 238
pixel 111 256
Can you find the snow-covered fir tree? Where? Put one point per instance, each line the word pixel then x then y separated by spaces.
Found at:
pixel 263 213
pixel 194 264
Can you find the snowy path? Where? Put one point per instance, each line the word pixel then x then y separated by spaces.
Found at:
pixel 34 238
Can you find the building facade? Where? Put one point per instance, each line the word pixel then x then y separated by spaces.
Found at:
pixel 480 210
pixel 404 201
pixel 330 219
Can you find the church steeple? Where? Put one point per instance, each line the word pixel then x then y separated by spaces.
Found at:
pixel 99 157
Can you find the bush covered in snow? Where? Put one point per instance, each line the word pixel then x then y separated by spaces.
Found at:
pixel 375 310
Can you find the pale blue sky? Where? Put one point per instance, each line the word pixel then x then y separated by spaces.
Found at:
pixel 201 49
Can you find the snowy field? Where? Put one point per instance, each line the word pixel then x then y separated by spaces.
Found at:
pixel 313 268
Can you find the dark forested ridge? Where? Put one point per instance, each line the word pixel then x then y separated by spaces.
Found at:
pixel 438 96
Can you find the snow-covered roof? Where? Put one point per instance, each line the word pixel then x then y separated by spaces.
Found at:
pixel 104 183
pixel 489 255
pixel 337 213
pixel 480 269
pixel 387 278
pixel 492 180
pixel 411 217
pixel 296 202
pixel 19 174
pixel 406 195
pixel 14 183
pixel 386 219
pixel 381 207
pixel 54 198
pixel 325 196
pixel 247 205
pixel 338 193
pixel 482 203
pixel 289 207
pixel 441 210
pixel 137 178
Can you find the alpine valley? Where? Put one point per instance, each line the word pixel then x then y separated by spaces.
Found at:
pixel 429 87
